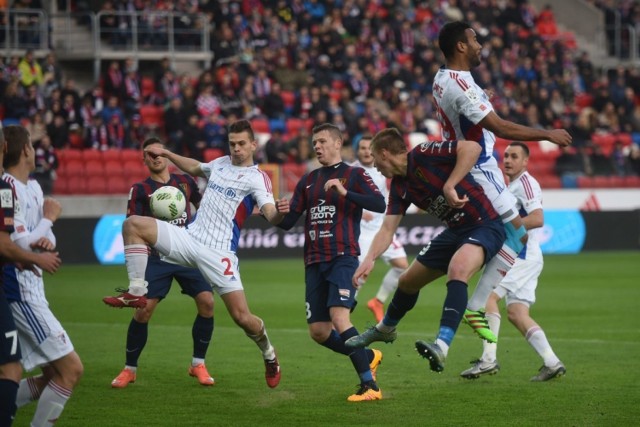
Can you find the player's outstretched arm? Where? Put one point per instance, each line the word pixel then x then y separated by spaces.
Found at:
pixel 509 130
pixel 275 213
pixel 185 164
pixel 380 243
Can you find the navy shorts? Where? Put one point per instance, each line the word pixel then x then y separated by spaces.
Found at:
pixel 160 275
pixel 439 251
pixel 9 346
pixel 328 284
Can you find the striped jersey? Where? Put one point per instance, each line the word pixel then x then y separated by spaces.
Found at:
pixel 6 213
pixel 29 200
pixel 528 194
pixel 381 182
pixel 429 165
pixel 332 222
pixel 460 105
pixel 230 195
pixel 140 193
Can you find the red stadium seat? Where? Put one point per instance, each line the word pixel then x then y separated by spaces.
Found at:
pixel 632 181
pixel 94 168
pixel 60 185
pixel 112 154
pixel 118 184
pixel 71 168
pixel 212 153
pixel 75 141
pixel 152 116
pixel 549 181
pixel 76 185
pixel 114 167
pixel 148 87
pixel 130 154
pixel 260 125
pixel 68 154
pixel 293 126
pixel 91 154
pixel 97 185
pixel 585 182
pixel 289 98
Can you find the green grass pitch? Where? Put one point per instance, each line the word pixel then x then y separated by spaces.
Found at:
pixel 587 305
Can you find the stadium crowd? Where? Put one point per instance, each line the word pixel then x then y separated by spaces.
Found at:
pixel 362 65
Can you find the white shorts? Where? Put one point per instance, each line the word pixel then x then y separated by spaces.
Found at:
pixel 489 176
pixel 42 338
pixel 522 281
pixel 394 251
pixel 219 267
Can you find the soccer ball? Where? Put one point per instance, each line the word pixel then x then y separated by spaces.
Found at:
pixel 167 203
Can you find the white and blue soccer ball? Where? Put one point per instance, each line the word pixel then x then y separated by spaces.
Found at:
pixel 167 203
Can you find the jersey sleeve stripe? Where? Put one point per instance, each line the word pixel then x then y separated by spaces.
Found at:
pixel 528 190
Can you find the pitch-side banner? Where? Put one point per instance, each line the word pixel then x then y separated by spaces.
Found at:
pixel 91 240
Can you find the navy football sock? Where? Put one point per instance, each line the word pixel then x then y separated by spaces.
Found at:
pixel 453 309
pixel 136 340
pixel 8 408
pixel 201 332
pixel 359 357
pixel 401 303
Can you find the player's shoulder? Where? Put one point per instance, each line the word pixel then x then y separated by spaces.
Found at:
pixel 527 179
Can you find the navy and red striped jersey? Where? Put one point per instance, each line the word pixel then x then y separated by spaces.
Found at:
pixel 7 205
pixel 140 193
pixel 332 223
pixel 428 168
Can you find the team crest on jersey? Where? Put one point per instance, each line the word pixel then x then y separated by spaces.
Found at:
pixel 183 187
pixel 312 234
pixel 6 198
pixel 472 95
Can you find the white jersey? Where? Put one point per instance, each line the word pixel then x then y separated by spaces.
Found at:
pixel 28 219
pixel 461 105
pixel 528 194
pixel 381 182
pixel 229 197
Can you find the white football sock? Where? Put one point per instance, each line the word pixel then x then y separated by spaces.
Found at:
pixel 27 391
pixel 489 350
pixel 538 340
pixel 136 257
pixel 389 283
pixel 50 405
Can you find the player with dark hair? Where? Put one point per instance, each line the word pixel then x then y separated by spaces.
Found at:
pixel 465 112
pixel 10 355
pixel 160 274
pixel 333 198
pixel 234 186
pixel 435 177
pixel 519 284
pixel 43 341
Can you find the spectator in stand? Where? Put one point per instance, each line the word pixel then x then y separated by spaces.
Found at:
pixel 215 133
pixel 15 106
pixel 132 93
pixel 34 99
pixel 168 88
pixel 112 109
pixel 546 22
pixel 619 164
pixel 207 103
pixel 569 162
pixel 113 80
pixel 633 159
pixel 276 150
pixel 30 70
pixel 273 104
pixel 175 120
pixel 96 135
pixel 600 163
pixel 58 132
pixel 37 128
pixel 52 73
pixel 115 133
pixel 46 164
pixel 193 139
pixel 136 133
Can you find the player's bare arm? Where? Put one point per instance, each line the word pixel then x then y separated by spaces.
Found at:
pixel 380 243
pixel 467 155
pixel 43 244
pixel 534 219
pixel 51 209
pixel 509 130
pixel 185 164
pixel 275 213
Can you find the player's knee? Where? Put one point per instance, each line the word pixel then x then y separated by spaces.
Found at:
pixel 204 303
